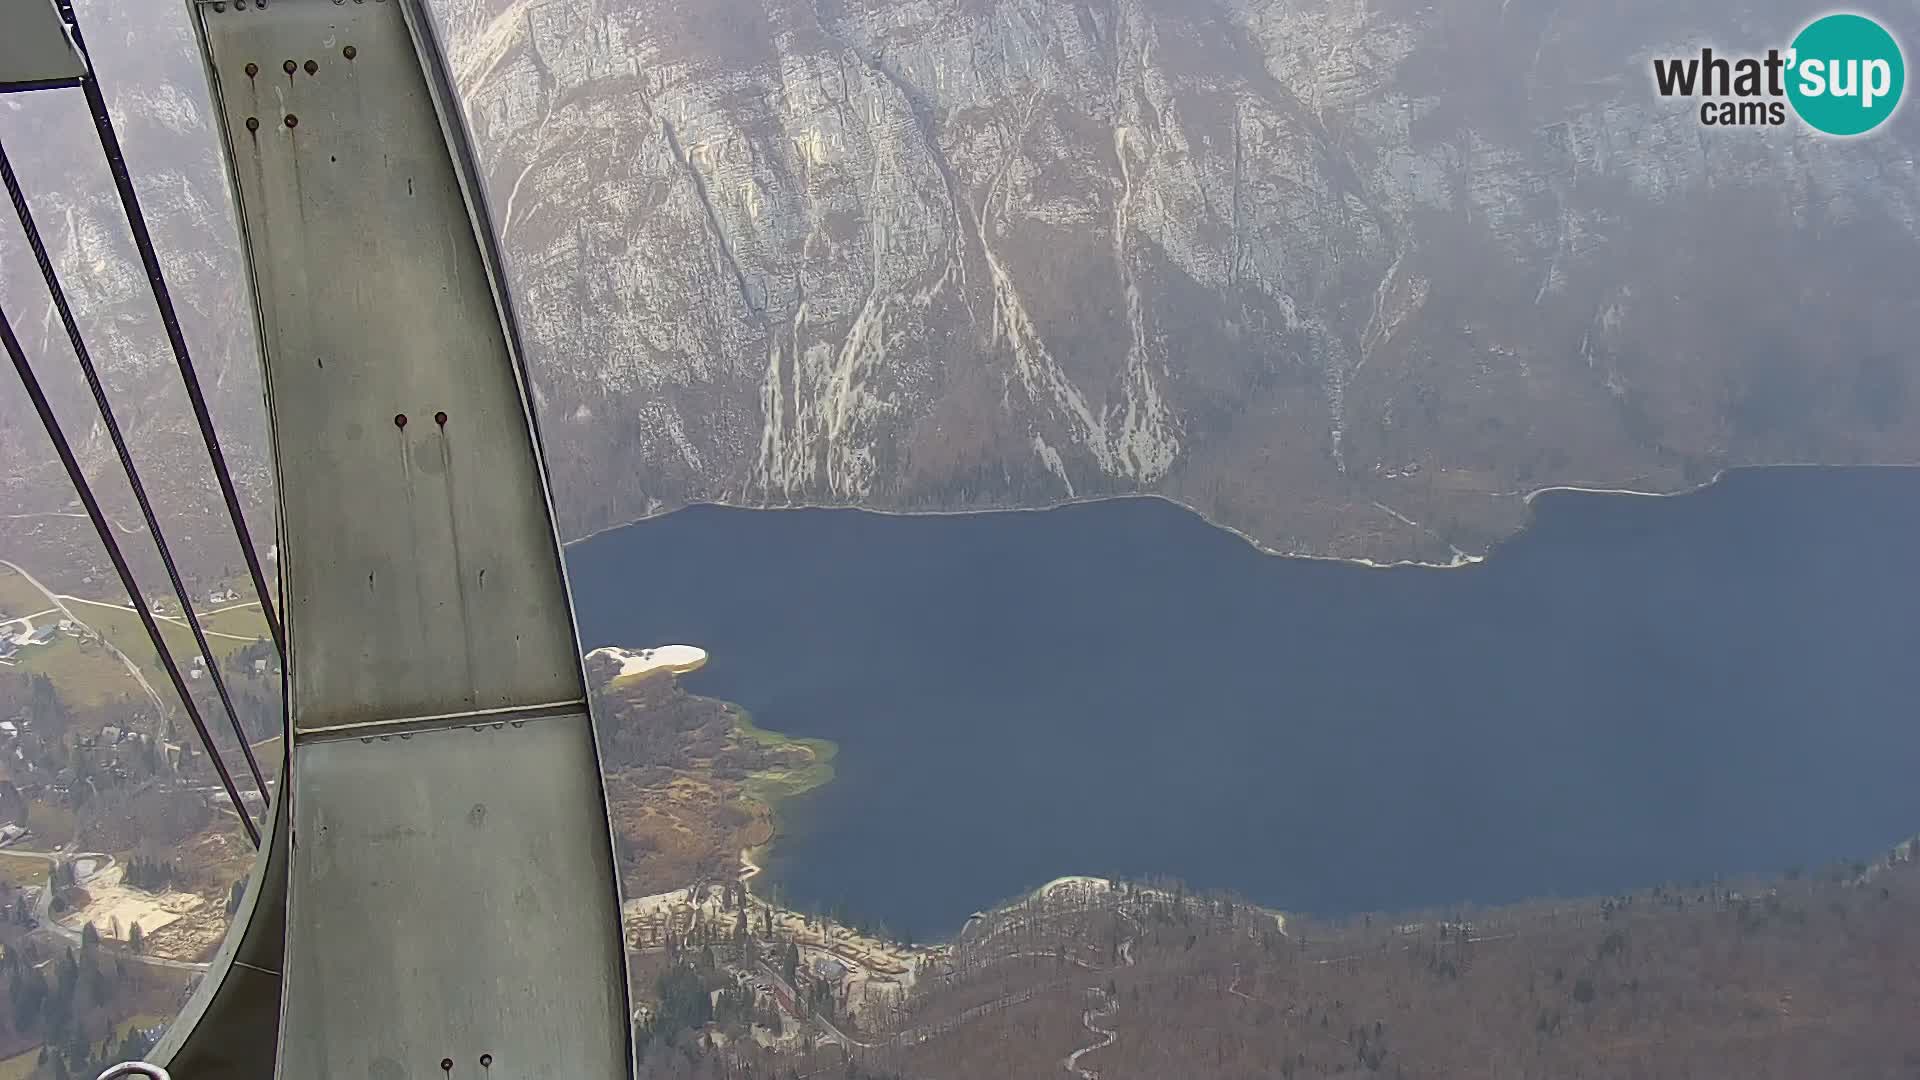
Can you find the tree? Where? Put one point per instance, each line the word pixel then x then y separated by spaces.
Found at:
pixel 29 993
pixel 684 1003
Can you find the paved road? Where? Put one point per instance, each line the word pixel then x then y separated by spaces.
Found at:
pixel 177 620
pixel 1104 1037
pixel 130 530
pixel 53 598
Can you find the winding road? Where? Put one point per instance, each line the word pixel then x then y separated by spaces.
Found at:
pixel 130 530
pixel 53 598
pixel 1105 1036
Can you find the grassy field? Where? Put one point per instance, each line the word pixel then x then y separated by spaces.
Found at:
pixel 52 826
pixel 244 622
pixel 85 672
pixel 18 870
pixel 17 598
pixel 772 785
pixel 20 1066
pixel 227 632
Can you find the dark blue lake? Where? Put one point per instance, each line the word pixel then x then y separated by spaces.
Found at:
pixel 1633 690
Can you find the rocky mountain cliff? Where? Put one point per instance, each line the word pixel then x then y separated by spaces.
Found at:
pixel 1350 276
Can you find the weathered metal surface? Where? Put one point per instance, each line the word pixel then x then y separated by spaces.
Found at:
pixel 450 877
pixel 435 590
pixel 440 871
pixel 35 50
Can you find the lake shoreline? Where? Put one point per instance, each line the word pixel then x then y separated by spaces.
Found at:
pixel 1459 562
pixel 772 792
pixel 1775 600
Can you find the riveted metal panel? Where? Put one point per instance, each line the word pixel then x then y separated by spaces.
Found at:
pixel 458 917
pixel 420 571
pixel 450 883
pixel 35 50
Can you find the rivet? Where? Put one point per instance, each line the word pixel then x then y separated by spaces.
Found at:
pixel 292 120
pixel 239 5
pixel 219 7
pixel 253 123
pixel 446 1064
pixel 252 69
pixel 486 1061
pixel 312 67
pixel 399 419
pixel 440 418
pixel 350 52
pixel 288 67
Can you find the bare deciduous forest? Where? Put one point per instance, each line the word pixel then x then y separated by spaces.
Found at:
pixel 1809 975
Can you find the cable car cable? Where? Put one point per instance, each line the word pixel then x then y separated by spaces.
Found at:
pixel 87 368
pixel 143 242
pixel 59 438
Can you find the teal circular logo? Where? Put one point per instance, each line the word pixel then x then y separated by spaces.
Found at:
pixel 1845 74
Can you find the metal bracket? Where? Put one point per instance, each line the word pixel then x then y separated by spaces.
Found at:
pixel 36 50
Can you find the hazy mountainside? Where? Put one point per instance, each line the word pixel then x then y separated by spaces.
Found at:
pixel 158 98
pixel 1351 277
